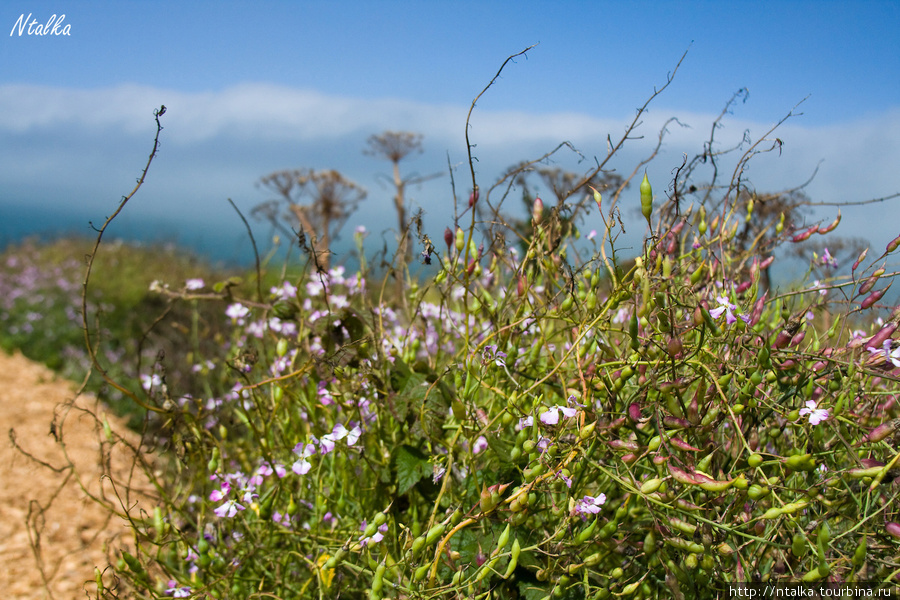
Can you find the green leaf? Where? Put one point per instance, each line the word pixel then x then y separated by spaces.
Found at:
pixel 533 591
pixel 501 445
pixel 411 466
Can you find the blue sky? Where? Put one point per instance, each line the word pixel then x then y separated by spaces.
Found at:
pixel 256 87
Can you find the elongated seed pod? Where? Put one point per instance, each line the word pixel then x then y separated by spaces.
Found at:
pixel 646 198
pixel 874 297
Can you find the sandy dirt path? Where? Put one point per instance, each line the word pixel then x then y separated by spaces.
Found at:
pixel 38 505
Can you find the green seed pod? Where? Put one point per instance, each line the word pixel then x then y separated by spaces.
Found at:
pixel 107 430
pixel 487 568
pixel 586 533
pixel 649 543
pixel 824 535
pixel 800 462
pixel 417 545
pixel 633 332
pixel 158 523
pixel 815 575
pixel 213 463
pixel 421 572
pixel 859 555
pixel 682 526
pixel 687 546
pixel 503 539
pixel 646 198
pixel 631 588
pixel 335 560
pixel 434 533
pixel 757 492
pixel 651 485
pixel 134 565
pixel 460 239
pixel 513 559
pixel 772 513
pixel 378 579
pixel 608 530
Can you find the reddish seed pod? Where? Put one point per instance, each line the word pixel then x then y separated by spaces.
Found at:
pixel 448 237
pixel 682 445
pixel 893 245
pixel 473 197
pixel 682 476
pixel 634 412
pixel 782 339
pixel 670 422
pixel 798 338
pixel 831 226
pixel 623 445
pixel 874 297
pixel 743 287
pixel 867 285
pixel 674 347
pixel 878 340
pixel 893 528
pixel 767 263
pixel 802 237
pixel 520 286
pixel 862 256
pixel 698 316
pixel 756 313
pixel 882 431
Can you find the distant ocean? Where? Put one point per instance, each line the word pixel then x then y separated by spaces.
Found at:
pixel 227 245
pixel 223 241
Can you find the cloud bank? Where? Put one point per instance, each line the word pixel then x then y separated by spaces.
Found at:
pixel 84 148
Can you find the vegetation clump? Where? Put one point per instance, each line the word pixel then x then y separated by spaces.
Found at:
pixel 537 417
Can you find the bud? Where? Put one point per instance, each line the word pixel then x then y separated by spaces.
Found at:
pixel 537 212
pixel 862 256
pixel 598 199
pixel 473 197
pixel 520 286
pixel 448 238
pixel 646 198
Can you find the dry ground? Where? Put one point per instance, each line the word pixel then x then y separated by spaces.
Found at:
pixel 48 510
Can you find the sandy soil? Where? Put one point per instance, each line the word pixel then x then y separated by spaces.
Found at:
pixel 52 534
